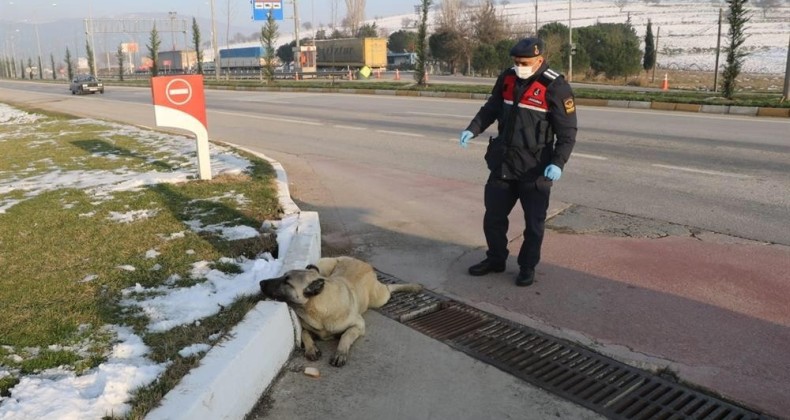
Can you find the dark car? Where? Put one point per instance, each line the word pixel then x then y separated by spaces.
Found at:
pixel 86 83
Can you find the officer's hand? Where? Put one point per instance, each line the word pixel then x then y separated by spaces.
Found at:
pixel 466 135
pixel 553 172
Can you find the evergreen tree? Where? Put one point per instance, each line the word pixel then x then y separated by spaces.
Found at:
pixel 119 55
pixel 737 17
pixel 650 48
pixel 54 72
pixel 422 53
pixel 153 51
pixel 69 66
pixel 91 63
pixel 368 30
pixel 269 35
pixel 40 69
pixel 196 42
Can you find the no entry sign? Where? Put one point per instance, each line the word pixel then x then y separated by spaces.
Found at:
pixel 179 102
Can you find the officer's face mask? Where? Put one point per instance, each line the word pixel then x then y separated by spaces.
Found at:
pixel 525 70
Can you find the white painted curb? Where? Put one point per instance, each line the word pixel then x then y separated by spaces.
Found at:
pixel 235 373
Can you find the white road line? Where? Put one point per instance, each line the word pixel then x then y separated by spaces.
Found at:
pixel 348 127
pixel 400 133
pixel 260 117
pixel 701 171
pixel 438 115
pixel 595 157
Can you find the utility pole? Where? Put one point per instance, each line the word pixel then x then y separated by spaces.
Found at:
pixel 536 17
pixel 172 28
pixel 214 42
pixel 298 64
pixel 786 91
pixel 655 52
pixel 718 49
pixel 570 40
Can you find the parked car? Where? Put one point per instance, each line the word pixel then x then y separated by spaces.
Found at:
pixel 86 83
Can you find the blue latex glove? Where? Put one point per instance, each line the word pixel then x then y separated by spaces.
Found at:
pixel 553 172
pixel 466 135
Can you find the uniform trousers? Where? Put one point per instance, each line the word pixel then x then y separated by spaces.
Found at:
pixel 500 198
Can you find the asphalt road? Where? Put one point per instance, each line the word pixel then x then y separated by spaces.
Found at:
pixel 392 186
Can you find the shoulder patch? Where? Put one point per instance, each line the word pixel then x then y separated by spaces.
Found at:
pixel 570 106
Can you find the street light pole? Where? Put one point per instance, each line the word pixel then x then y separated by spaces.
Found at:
pixel 570 40
pixel 214 42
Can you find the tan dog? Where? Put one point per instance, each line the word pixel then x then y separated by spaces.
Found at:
pixel 330 298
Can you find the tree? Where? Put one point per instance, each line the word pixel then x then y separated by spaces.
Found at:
pixel 368 30
pixel 89 53
pixel 737 17
pixel 402 41
pixel 40 69
pixel 30 67
pixel 69 66
pixel 285 52
pixel 650 48
pixel 153 51
pixel 120 57
pixel 196 43
pixel 613 48
pixel 767 5
pixel 54 72
pixel 487 27
pixel 621 4
pixel 422 53
pixel 269 35
pixel 446 45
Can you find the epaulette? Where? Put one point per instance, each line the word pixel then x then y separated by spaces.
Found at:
pixel 548 77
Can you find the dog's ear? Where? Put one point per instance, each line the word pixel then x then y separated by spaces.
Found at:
pixel 313 267
pixel 314 288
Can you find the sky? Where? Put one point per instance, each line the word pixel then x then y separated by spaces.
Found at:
pixel 58 393
pixel 309 10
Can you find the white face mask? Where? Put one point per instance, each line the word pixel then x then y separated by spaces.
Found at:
pixel 524 72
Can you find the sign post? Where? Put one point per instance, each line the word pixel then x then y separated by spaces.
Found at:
pixel 179 102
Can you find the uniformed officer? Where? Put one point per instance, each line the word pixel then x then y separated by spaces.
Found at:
pixel 536 124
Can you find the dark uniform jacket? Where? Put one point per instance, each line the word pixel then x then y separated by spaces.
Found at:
pixel 543 130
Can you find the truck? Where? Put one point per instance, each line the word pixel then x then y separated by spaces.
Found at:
pixel 177 61
pixel 351 52
pixel 242 58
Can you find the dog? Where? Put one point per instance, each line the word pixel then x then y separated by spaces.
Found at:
pixel 329 298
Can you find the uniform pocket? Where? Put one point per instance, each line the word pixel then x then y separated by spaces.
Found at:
pixel 495 153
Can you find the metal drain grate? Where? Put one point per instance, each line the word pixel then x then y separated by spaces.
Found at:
pixel 602 384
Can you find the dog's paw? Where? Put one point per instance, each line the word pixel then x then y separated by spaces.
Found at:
pixel 339 360
pixel 312 354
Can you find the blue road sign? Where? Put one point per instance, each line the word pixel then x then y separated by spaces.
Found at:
pixel 261 9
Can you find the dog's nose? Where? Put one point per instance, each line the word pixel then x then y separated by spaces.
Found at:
pixel 271 288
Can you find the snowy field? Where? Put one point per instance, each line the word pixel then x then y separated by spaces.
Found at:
pixel 687 34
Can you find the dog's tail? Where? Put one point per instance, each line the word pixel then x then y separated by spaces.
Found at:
pixel 409 287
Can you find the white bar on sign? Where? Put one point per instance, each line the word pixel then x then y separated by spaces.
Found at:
pixel 183 91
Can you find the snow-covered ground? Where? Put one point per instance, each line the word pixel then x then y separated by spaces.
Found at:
pixel 61 394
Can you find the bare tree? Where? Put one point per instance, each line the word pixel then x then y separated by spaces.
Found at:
pixel 767 5
pixel 621 4
pixel 355 14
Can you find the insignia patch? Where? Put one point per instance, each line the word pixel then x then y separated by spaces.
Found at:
pixel 570 107
pixel 537 50
pixel 536 92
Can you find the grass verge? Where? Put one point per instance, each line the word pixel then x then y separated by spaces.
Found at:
pixel 69 247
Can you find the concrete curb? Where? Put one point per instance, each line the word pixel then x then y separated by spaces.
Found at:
pixel 235 373
pixel 656 105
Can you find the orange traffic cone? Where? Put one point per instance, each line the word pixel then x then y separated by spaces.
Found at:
pixel 665 83
pixel 397 74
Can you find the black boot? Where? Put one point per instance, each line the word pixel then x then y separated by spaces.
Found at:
pixel 526 276
pixel 486 266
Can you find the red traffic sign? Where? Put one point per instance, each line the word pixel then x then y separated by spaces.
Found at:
pixel 183 93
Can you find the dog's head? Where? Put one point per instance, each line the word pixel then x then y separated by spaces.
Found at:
pixel 295 287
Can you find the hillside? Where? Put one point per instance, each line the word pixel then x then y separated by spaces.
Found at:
pixel 687 34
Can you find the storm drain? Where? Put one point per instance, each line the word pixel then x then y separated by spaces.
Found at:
pixel 602 384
